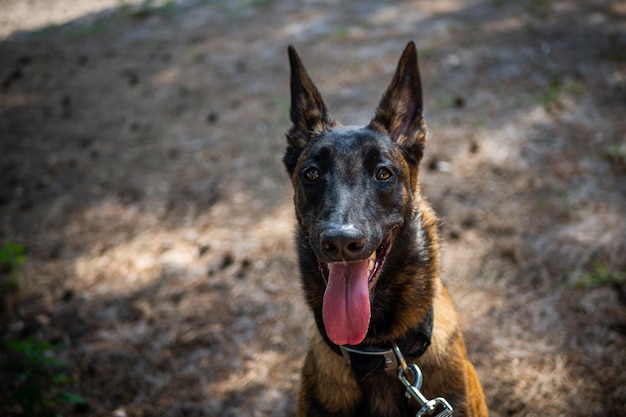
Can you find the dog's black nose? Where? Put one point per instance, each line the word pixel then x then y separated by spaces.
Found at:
pixel 341 243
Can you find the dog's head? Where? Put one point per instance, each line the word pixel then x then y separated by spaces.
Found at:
pixel 356 188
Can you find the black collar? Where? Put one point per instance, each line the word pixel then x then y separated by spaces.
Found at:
pixel 367 360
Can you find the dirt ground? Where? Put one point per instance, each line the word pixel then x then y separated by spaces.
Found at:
pixel 140 167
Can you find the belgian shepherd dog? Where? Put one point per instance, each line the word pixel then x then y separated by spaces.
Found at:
pixel 368 253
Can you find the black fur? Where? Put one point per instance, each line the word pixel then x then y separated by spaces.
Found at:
pixel 357 198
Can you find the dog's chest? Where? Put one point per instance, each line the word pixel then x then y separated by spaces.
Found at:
pixel 383 396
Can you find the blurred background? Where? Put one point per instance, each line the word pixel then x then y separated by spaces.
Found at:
pixel 147 265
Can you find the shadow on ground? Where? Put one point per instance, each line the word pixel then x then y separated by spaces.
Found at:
pixel 141 170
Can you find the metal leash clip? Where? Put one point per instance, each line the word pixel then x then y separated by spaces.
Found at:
pixel 437 407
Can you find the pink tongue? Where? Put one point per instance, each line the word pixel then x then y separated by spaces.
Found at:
pixel 346 308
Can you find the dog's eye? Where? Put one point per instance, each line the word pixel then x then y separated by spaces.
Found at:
pixel 383 174
pixel 312 174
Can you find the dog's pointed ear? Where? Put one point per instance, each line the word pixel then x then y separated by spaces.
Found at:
pixel 308 111
pixel 399 113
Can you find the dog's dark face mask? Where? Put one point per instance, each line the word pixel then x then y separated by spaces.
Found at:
pixel 355 190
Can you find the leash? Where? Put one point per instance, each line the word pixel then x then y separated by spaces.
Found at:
pixel 437 407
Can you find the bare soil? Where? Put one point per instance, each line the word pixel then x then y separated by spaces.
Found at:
pixel 140 166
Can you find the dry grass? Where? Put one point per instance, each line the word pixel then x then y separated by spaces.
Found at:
pixel 141 170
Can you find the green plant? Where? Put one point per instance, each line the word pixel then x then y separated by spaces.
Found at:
pixel 340 33
pixel 617 156
pixel 282 105
pixel 601 275
pixel 12 256
pixel 553 92
pixel 427 51
pixel 82 31
pixel 253 3
pixel 617 152
pixel 444 101
pixel 148 8
pixel 38 378
pixel 540 9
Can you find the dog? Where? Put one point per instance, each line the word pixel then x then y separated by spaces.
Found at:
pixel 368 253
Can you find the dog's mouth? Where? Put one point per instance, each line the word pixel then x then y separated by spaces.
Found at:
pixel 374 262
pixel 346 306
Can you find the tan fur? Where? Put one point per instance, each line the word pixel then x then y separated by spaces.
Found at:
pixel 447 371
pixel 329 386
pixel 446 368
